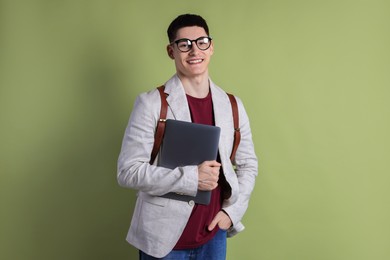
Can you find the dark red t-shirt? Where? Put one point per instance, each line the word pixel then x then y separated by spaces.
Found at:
pixel 196 233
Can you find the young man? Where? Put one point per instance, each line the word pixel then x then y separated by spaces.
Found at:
pixel 164 228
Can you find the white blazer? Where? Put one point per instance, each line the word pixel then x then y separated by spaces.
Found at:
pixel 157 222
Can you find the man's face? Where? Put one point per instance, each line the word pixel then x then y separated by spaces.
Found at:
pixel 194 62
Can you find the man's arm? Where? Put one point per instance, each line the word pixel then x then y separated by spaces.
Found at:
pixel 134 170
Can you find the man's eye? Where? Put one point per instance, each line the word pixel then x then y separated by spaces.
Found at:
pixel 183 45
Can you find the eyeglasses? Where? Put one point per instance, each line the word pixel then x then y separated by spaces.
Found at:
pixel 185 45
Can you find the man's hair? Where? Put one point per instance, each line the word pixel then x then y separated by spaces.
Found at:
pixel 186 20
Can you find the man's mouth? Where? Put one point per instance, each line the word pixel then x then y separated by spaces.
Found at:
pixel 195 61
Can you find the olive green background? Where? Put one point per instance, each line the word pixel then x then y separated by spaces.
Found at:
pixel 314 76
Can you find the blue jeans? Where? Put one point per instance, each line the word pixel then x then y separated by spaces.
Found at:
pixel 215 249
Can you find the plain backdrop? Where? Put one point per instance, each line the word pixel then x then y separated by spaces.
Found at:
pixel 314 78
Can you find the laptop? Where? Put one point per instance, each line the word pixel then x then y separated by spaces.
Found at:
pixel 186 143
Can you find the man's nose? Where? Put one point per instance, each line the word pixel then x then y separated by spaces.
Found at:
pixel 194 48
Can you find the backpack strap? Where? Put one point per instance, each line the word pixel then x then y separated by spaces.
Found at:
pixel 160 129
pixel 236 123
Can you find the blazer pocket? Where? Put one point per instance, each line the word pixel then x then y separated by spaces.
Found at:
pixel 152 217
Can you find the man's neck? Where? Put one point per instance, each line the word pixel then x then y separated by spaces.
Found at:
pixel 196 86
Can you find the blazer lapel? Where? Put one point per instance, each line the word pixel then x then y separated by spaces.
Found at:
pixel 177 99
pixel 223 118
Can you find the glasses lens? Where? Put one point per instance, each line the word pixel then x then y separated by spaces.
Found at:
pixel 184 45
pixel 203 43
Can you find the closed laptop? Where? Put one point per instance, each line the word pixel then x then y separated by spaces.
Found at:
pixel 186 143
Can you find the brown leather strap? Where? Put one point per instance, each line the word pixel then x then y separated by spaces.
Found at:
pixel 159 134
pixel 236 123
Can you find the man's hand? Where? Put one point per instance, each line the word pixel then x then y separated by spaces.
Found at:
pixel 222 220
pixel 208 174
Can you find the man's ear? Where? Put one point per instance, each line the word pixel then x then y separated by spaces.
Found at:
pixel 170 52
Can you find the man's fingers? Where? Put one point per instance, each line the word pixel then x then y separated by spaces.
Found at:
pixel 222 220
pixel 213 223
pixel 212 163
pixel 208 175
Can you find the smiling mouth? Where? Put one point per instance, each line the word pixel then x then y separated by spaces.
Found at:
pixel 195 61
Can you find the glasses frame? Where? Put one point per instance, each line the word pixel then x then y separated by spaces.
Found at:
pixel 191 43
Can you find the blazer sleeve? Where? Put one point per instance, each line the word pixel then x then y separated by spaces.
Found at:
pixel 246 171
pixel 134 170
